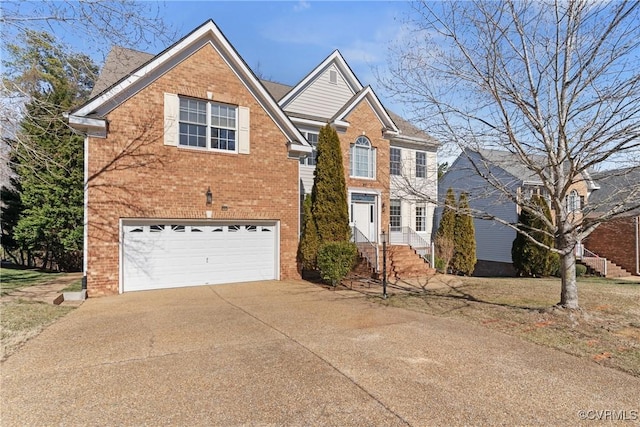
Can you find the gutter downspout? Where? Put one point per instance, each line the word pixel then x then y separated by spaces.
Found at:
pixel 638 245
pixel 85 231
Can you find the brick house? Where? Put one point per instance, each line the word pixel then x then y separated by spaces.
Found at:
pixel 193 164
pixel 617 240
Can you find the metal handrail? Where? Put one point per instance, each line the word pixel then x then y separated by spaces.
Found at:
pixel 407 236
pixel 368 250
pixel 585 253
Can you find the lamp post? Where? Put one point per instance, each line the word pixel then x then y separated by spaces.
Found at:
pixel 383 239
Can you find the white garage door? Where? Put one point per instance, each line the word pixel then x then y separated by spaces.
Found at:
pixel 169 255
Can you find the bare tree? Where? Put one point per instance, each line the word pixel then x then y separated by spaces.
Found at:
pixel 554 83
pixel 94 26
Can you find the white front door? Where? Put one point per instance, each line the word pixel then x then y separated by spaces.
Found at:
pixel 364 216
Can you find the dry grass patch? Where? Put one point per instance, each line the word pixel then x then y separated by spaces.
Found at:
pixel 606 330
pixel 22 320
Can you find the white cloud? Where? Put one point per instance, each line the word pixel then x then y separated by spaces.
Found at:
pixel 301 5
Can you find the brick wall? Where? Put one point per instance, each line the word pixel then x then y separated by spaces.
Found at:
pixel 134 175
pixel 363 121
pixel 615 240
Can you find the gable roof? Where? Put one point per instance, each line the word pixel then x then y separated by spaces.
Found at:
pixel 334 59
pixel 511 164
pixel 90 115
pixel 617 187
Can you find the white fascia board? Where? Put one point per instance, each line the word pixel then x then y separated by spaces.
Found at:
pixel 308 122
pixel 340 123
pixel 299 149
pixel 342 65
pixel 78 122
pixel 410 140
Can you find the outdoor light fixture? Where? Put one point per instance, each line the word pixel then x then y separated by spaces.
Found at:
pixel 384 239
pixel 209 195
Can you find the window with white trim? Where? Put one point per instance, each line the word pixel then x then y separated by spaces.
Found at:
pixel 363 158
pixel 202 121
pixel 421 218
pixel 395 215
pixel 421 164
pixel 395 165
pixel 573 201
pixel 312 158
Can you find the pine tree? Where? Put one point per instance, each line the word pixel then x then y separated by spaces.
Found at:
pixel 329 194
pixel 530 259
pixel 464 258
pixel 309 242
pixel 51 156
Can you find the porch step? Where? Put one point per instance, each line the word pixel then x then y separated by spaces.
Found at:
pixel 404 263
pixel 596 265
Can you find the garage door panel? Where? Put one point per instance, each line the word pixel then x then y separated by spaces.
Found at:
pixel 172 255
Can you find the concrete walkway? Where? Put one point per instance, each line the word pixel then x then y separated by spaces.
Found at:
pixel 291 353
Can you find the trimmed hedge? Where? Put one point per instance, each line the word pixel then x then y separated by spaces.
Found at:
pixel 336 260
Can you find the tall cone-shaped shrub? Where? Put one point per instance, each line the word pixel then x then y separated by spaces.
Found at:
pixel 448 219
pixel 329 194
pixel 464 257
pixel 309 242
pixel 530 259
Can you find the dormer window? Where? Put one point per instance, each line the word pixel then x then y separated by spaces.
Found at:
pixel 363 159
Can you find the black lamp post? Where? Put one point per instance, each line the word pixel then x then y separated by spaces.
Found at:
pixel 383 239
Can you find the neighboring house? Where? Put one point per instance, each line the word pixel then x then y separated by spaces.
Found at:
pixel 195 168
pixel 617 240
pixel 494 240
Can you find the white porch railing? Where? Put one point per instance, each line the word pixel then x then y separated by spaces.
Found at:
pixel 594 261
pixel 368 250
pixel 407 236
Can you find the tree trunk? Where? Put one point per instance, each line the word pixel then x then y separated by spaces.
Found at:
pixel 569 294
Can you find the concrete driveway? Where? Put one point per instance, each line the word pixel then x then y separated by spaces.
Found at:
pixel 291 353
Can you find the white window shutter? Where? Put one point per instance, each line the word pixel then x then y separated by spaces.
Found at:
pixel 243 130
pixel 171 112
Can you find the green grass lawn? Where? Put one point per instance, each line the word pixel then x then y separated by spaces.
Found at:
pixel 12 279
pixel 606 330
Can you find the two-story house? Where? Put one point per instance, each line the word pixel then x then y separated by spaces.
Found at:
pixel 195 167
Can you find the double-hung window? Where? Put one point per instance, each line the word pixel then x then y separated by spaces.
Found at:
pixel 395 215
pixel 311 158
pixel 208 125
pixel 573 201
pixel 395 166
pixel 363 158
pixel 421 218
pixel 421 164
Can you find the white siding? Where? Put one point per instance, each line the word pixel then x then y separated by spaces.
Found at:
pixel 412 190
pixel 322 98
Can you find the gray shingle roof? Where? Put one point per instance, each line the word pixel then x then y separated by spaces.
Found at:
pixel 510 163
pixel 617 186
pixel 120 62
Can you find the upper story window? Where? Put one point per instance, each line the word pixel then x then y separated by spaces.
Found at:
pixel 312 158
pixel 573 201
pixel 207 125
pixel 421 164
pixel 395 165
pixel 363 159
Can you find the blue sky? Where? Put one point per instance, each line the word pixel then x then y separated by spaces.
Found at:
pixel 284 40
